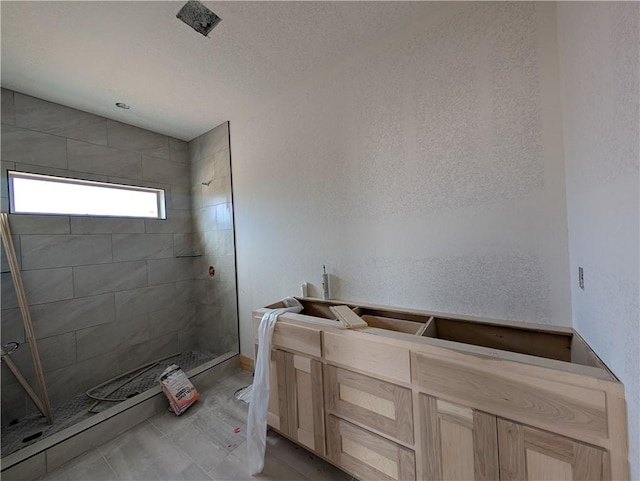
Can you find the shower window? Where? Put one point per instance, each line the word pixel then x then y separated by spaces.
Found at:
pixel 46 194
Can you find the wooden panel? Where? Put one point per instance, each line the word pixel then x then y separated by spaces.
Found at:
pixel 398 325
pixel 456 445
pixel 377 358
pixel 367 455
pixel 367 401
pixel 571 410
pixel 304 401
pixel 430 436
pixel 293 337
pixel 457 442
pixel 485 442
pixel 545 468
pixel 277 409
pixel 524 341
pixel 297 338
pixel 532 454
pixel 347 317
pixel 380 405
pixel 370 457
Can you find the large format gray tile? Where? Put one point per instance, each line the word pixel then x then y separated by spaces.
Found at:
pixel 183 244
pixel 4 261
pixel 101 278
pixel 180 197
pixel 217 192
pixel 6 105
pixel 128 137
pixel 29 147
pixel 98 340
pixel 100 434
pixel 39 251
pixel 215 140
pixel 4 192
pixel 106 225
pixel 55 352
pixel 129 247
pixel 48 285
pixel 12 326
pixel 144 454
pixel 27 470
pixel 37 114
pixel 79 377
pixel 60 172
pixel 90 466
pixel 39 224
pixel 135 302
pixel 175 318
pixel 161 170
pixel 162 271
pixel 98 159
pixel 42 285
pixel 179 151
pixel 66 316
pixel 177 222
pixel 130 357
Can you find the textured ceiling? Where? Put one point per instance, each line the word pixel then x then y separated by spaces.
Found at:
pixel 91 54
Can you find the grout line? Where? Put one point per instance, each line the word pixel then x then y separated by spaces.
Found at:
pixel 108 463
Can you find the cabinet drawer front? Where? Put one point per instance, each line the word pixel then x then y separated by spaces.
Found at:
pixel 380 405
pixel 287 336
pixel 367 455
pixel 373 357
pixel 569 410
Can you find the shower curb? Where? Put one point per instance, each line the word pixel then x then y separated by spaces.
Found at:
pixel 52 452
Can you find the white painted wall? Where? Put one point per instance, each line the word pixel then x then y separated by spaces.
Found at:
pixel 425 172
pixel 599 54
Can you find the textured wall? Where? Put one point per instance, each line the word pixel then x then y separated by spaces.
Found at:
pixel 599 53
pixel 212 207
pixel 105 294
pixel 425 172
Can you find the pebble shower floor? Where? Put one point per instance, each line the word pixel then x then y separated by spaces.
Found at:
pixel 21 433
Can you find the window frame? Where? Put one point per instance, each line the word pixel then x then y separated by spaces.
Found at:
pixel 160 194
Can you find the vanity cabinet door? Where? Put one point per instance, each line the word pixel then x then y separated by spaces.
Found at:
pixel 528 454
pixel 457 442
pixel 305 409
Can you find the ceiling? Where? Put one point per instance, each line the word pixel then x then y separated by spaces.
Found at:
pixel 91 54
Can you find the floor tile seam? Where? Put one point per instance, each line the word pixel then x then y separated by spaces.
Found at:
pixel 185 452
pixel 108 463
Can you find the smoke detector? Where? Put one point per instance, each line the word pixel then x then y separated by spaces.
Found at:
pixel 198 17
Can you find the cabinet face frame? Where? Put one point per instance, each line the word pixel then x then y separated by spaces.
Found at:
pixel 304 401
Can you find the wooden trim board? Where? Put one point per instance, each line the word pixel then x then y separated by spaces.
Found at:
pixel 246 363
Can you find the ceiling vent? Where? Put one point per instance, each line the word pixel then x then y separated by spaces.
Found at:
pixel 198 17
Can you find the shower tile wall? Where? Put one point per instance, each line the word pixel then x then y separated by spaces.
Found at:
pixel 105 294
pixel 216 301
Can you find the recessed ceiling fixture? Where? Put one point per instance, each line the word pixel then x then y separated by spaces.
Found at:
pixel 122 105
pixel 198 17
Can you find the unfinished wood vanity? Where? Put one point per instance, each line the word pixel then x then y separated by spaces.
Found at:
pixel 429 396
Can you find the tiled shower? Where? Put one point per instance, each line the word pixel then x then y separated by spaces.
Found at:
pixel 109 294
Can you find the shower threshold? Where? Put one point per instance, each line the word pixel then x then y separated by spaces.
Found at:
pixel 73 423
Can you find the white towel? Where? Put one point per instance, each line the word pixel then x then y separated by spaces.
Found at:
pixel 257 418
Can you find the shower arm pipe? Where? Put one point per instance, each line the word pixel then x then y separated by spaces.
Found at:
pixel 115 378
pixel 16 275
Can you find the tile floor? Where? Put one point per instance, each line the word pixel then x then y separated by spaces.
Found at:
pixel 208 442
